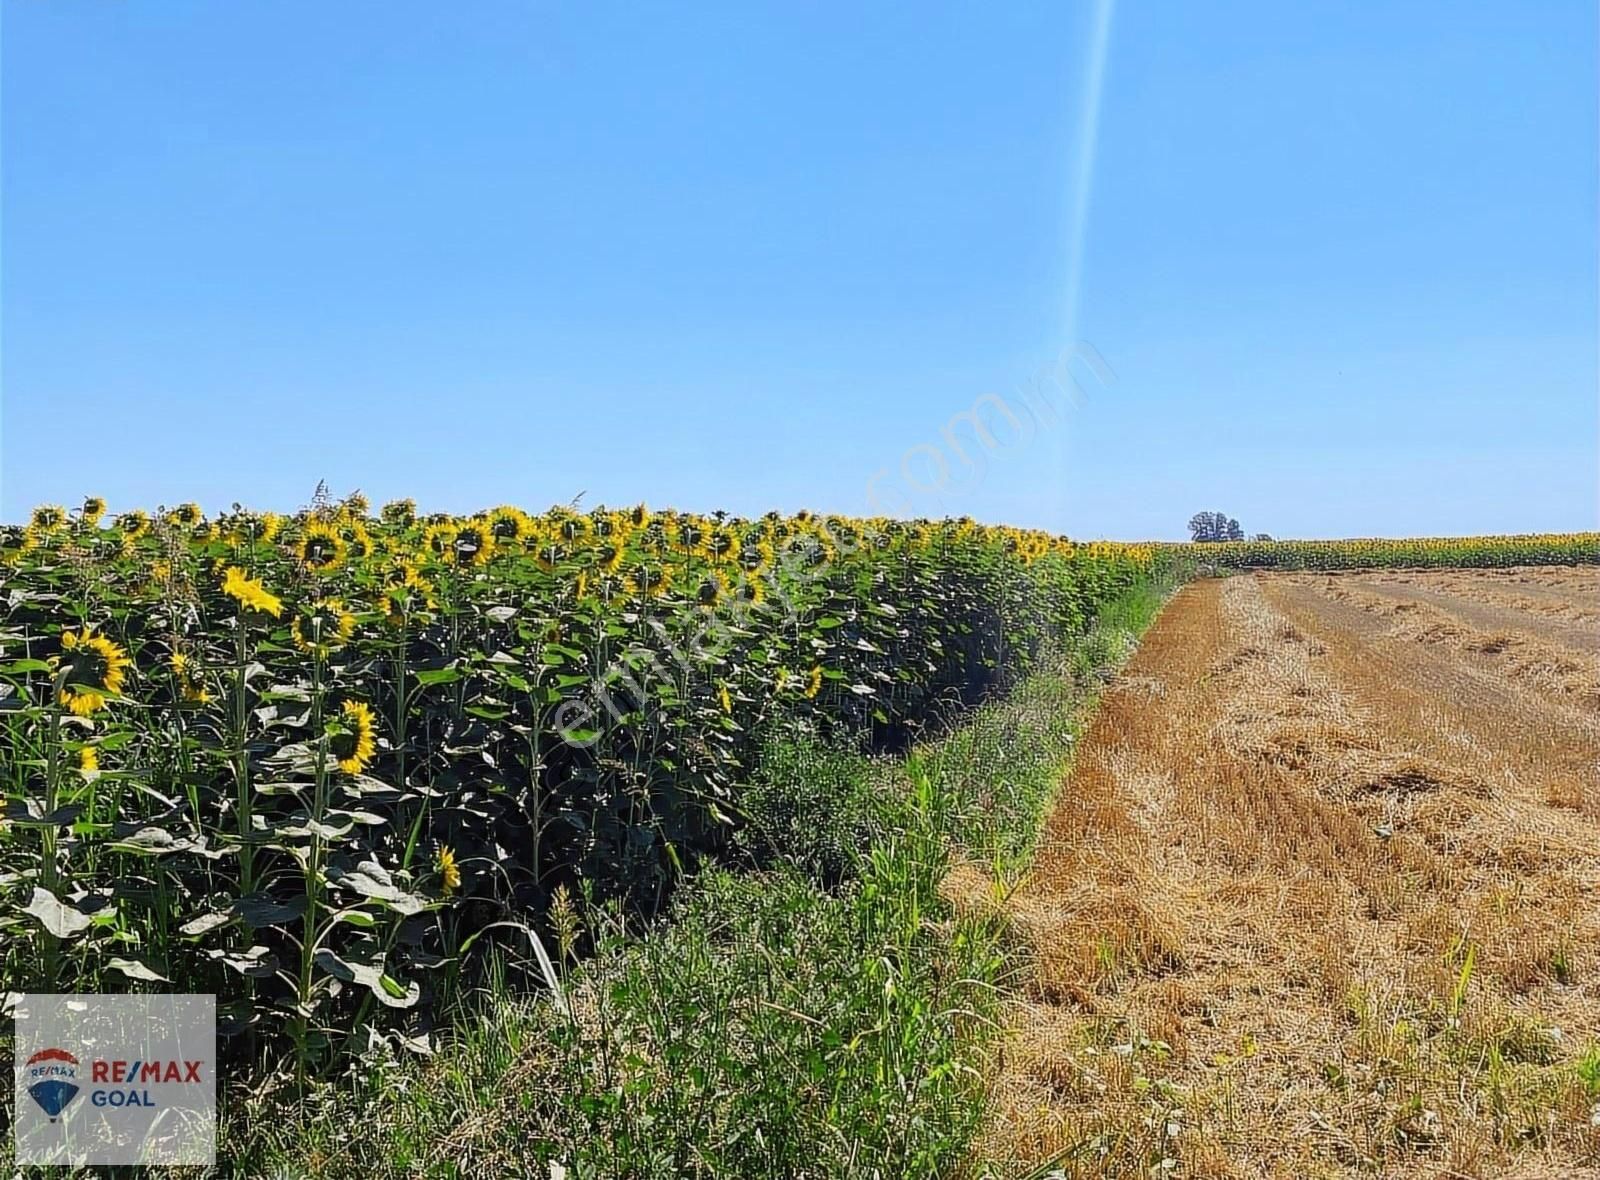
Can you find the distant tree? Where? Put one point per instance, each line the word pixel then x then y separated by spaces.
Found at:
pixel 1214 526
pixel 1262 537
pixel 1203 526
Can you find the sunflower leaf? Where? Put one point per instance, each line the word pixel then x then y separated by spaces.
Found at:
pixel 55 915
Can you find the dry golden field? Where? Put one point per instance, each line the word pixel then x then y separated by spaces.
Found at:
pixel 1322 895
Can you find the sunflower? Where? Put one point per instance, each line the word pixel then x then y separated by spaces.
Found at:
pixel 400 513
pixel 88 760
pixel 405 590
pixel 188 515
pixel 473 544
pixel 549 556
pixel 249 592
pixel 813 682
pixel 649 580
pixel 357 541
pixel 509 526
pixel 95 668
pixel 356 504
pixel 722 545
pixel 449 871
pixel 132 525
pixel 608 557
pixel 725 697
pixel 190 687
pixel 606 587
pixel 780 678
pixel 690 536
pixel 47 518
pixel 756 555
pixel 322 627
pixel 709 593
pixel 439 540
pixel 257 527
pixel 351 738
pixel 750 591
pixel 94 507
pixel 638 516
pixel 573 527
pixel 819 554
pixel 321 547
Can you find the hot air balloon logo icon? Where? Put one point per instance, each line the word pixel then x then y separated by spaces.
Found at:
pixel 52 1077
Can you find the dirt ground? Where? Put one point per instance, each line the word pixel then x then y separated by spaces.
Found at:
pixel 1322 895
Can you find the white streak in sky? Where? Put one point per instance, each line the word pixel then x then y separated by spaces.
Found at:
pixel 1083 173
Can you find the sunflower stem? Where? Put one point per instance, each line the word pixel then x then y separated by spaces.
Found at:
pixel 309 931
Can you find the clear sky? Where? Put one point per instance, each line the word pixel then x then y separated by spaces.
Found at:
pixel 1335 272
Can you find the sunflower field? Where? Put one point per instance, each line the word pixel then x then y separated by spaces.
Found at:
pixel 315 763
pixel 1418 552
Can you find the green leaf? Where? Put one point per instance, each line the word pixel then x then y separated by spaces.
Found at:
pixel 134 969
pixel 438 675
pixel 19 667
pixel 260 909
pixel 55 915
pixel 388 990
pixel 205 923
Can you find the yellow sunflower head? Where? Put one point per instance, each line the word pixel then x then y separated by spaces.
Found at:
pixel 473 544
pixel 187 515
pixel 88 760
pixel 813 682
pixel 92 668
pixel 191 686
pixel 571 527
pixel 722 545
pixel 257 527
pixel 509 526
pixel 322 627
pixel 321 548
pixel 438 542
pixel 649 579
pixel 689 535
pixel 756 555
pixel 549 555
pixel 350 737
pixel 249 593
pixel 357 540
pixel 709 593
pixel 405 572
pixel 47 518
pixel 94 507
pixel 356 504
pixel 132 525
pixel 751 591
pixel 449 872
pixel 400 513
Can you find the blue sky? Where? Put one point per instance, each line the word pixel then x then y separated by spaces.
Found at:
pixel 1337 261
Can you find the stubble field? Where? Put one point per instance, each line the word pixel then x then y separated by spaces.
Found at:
pixel 1322 895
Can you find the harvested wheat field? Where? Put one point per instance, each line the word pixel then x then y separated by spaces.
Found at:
pixel 1322 895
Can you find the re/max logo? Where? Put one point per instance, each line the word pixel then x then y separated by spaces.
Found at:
pixel 118 1073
